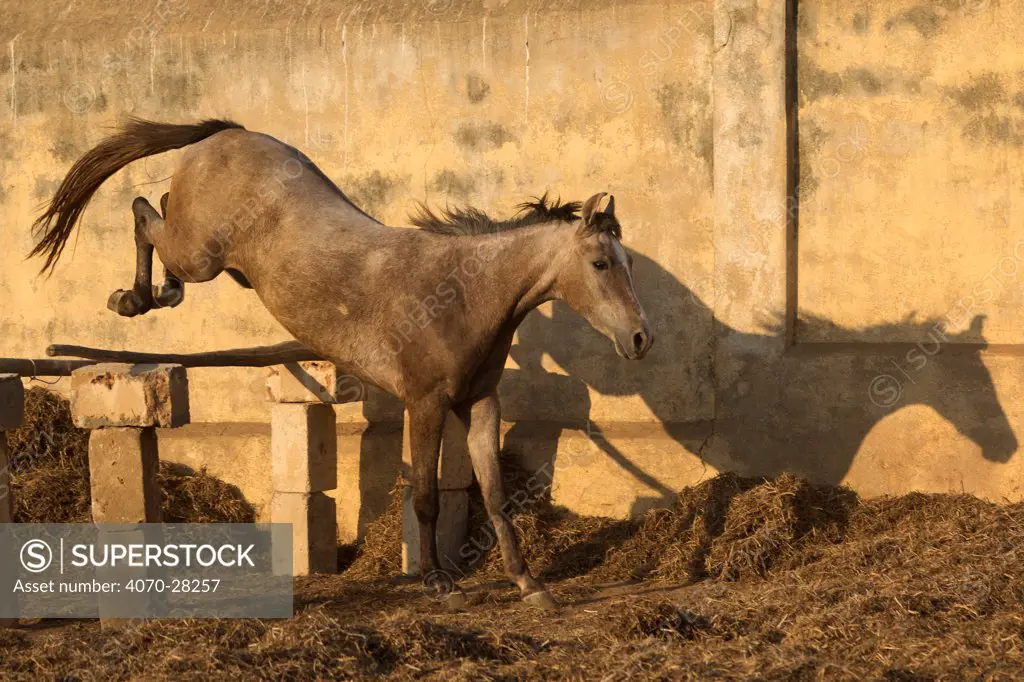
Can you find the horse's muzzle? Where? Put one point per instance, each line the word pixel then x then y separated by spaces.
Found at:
pixel 635 345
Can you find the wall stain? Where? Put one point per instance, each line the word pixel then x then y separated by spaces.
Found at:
pixel 373 191
pixel 815 82
pixel 812 138
pixel 923 18
pixel 452 184
pixel 6 146
pixel 861 22
pixel 45 188
pixel 980 92
pixel 684 111
pixel 477 136
pixel 65 147
pixel 995 129
pixel 477 88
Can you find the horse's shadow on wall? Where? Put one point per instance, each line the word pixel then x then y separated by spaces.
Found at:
pixel 806 413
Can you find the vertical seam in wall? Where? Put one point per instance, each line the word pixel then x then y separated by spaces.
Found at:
pixel 792 172
pixel 715 280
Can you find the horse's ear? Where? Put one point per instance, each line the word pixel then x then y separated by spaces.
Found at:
pixel 610 208
pixel 589 213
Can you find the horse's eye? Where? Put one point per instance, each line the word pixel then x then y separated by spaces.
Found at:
pixel 601 264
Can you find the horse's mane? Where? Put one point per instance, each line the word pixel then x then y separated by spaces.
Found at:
pixel 469 220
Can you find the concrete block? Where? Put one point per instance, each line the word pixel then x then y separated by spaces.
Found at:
pixel 455 470
pixel 123 465
pixel 12 401
pixel 314 530
pixel 304 448
pixel 312 382
pixel 129 395
pixel 452 531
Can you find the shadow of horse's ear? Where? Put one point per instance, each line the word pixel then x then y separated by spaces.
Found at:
pixel 977 325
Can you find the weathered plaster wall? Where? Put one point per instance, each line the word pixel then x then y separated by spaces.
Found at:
pixel 901 147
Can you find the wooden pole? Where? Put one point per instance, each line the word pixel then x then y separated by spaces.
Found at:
pixel 41 368
pixel 258 356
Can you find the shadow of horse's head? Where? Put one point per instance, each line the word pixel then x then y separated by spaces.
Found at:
pixel 947 373
pixel 942 370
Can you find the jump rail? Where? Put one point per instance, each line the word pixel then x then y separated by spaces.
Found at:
pixel 257 356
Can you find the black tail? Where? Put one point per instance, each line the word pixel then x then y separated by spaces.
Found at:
pixel 137 139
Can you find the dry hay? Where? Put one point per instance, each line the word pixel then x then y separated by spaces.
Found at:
pixel 50 474
pixel 742 578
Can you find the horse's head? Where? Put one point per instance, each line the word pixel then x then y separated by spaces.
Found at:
pixel 595 278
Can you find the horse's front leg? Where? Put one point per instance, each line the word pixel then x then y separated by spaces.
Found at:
pixel 426 424
pixel 482 419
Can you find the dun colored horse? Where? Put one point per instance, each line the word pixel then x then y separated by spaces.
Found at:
pixel 427 315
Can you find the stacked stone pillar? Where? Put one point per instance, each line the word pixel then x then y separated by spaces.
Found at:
pixel 304 452
pixel 123 405
pixel 12 407
pixel 455 476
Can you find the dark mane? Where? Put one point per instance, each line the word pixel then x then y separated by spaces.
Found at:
pixel 470 221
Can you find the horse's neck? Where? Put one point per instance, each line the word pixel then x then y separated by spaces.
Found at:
pixel 518 268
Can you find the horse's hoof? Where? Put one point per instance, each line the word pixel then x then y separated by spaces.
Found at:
pixel 541 599
pixel 168 297
pixel 457 600
pixel 126 303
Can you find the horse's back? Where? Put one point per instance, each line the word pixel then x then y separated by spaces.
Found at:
pixel 239 188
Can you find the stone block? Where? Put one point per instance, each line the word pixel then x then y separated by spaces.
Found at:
pixel 455 470
pixel 8 575
pixel 316 381
pixel 6 501
pixel 129 395
pixel 303 447
pixel 452 531
pixel 12 401
pixel 314 530
pixel 128 607
pixel 123 465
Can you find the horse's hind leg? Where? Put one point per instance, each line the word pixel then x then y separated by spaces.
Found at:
pixel 482 419
pixel 139 299
pixel 172 292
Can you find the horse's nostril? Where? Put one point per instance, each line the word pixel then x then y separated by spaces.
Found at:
pixel 638 340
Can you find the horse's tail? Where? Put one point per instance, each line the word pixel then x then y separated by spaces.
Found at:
pixel 137 139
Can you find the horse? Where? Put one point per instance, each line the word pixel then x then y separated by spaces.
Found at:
pixel 427 315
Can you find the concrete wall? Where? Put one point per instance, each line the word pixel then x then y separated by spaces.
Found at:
pixel 782 344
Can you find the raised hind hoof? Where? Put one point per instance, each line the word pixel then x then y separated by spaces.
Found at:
pixel 168 297
pixel 542 600
pixel 127 303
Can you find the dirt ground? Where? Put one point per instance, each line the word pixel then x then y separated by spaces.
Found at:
pixel 772 579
